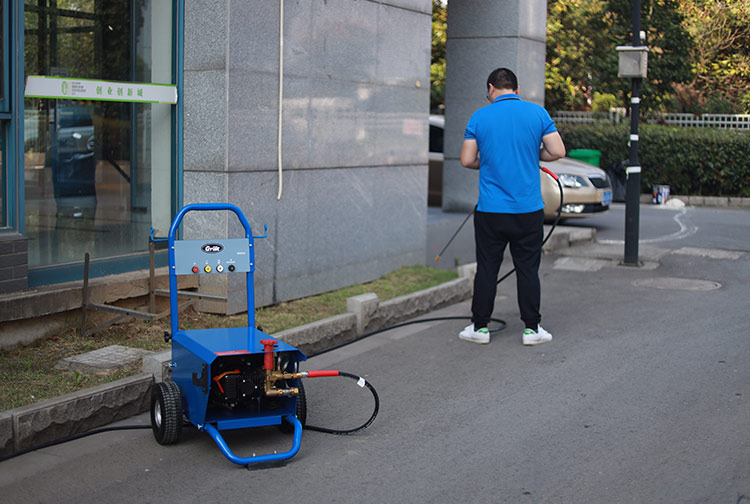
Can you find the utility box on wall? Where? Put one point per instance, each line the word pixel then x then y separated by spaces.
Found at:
pixel 633 62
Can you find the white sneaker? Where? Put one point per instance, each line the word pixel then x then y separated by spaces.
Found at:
pixel 481 335
pixel 532 337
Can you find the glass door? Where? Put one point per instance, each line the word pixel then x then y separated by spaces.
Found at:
pixel 98 166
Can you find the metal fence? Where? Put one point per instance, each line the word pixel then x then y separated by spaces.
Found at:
pixel 726 121
pixel 730 121
pixel 614 115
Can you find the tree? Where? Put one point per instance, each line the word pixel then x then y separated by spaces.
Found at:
pixel 668 43
pixel 572 41
pixel 720 56
pixel 582 36
pixel 437 66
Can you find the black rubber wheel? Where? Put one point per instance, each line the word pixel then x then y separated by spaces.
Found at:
pixel 166 412
pixel 301 410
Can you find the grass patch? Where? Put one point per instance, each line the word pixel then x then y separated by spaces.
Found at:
pixel 28 373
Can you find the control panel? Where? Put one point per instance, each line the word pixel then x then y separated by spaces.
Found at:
pixel 201 257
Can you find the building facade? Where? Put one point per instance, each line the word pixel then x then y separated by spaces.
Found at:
pixel 310 115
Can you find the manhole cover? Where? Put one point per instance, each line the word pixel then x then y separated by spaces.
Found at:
pixel 677 284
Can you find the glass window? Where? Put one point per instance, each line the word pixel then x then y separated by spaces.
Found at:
pixel 97 173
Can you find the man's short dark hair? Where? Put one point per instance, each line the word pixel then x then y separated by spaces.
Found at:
pixel 502 78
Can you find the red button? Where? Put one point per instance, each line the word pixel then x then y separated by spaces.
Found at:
pixel 195 269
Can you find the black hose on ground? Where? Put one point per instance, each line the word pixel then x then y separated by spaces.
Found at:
pixel 338 432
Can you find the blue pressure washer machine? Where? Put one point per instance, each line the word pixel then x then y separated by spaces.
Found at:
pixel 226 378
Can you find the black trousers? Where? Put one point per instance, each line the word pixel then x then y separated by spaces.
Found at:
pixel 492 233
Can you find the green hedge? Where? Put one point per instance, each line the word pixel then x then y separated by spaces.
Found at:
pixel 692 161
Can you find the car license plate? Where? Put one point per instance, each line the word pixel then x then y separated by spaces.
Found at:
pixel 606 198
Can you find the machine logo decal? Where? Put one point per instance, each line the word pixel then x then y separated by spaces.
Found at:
pixel 212 248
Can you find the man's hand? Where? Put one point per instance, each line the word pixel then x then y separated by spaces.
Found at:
pixel 470 154
pixel 552 149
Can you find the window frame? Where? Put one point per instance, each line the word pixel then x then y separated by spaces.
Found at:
pixel 5 69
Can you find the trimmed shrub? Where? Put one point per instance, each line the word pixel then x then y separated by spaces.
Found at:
pixel 692 161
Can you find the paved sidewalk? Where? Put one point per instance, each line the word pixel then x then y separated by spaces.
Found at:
pixel 57 418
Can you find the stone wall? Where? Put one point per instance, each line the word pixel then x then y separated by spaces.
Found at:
pixel 355 105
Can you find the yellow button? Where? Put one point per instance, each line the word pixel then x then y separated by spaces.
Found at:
pixel 207 269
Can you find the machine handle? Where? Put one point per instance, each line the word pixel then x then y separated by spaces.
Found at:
pixel 210 207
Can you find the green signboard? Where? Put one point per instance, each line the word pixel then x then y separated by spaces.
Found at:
pixel 64 88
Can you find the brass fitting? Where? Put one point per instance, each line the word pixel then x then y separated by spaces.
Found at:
pixel 294 391
pixel 272 376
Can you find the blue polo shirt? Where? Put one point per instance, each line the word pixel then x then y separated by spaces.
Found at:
pixel 509 134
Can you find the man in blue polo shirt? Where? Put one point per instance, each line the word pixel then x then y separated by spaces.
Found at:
pixel 505 141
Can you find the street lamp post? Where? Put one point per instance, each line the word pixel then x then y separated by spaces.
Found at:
pixel 633 64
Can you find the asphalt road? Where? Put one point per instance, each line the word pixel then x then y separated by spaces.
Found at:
pixel 643 396
pixel 673 228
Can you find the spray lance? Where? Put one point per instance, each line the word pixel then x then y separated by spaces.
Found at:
pixel 554 224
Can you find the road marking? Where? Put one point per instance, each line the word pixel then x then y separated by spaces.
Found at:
pixel 687 228
pixel 711 253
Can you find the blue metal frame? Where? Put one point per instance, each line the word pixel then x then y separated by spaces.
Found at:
pixel 252 339
pixel 194 352
pixel 216 436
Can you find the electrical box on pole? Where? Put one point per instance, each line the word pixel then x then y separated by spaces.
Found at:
pixel 633 62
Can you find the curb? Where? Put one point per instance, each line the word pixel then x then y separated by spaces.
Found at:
pixel 57 418
pixel 74 413
pixel 704 201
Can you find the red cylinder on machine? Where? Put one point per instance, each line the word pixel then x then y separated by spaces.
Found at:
pixel 268 349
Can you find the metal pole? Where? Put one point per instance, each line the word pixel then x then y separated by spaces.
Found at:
pixel 633 187
pixel 85 294
pixel 151 281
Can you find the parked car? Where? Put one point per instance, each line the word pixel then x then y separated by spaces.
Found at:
pixel 586 188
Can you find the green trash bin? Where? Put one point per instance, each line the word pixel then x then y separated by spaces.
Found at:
pixel 589 156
